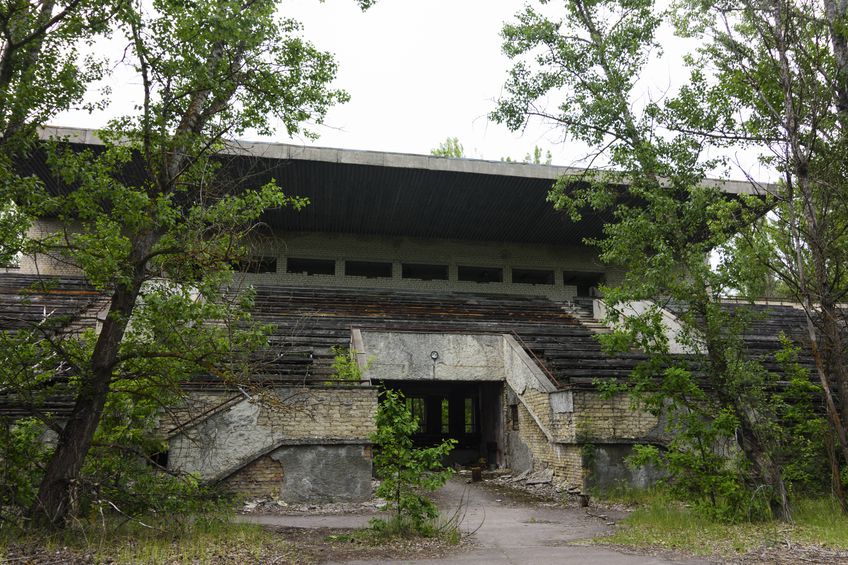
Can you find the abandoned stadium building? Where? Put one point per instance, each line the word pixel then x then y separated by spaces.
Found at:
pixel 453 280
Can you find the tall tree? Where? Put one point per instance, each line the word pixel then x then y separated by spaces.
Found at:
pixel 450 148
pixel 665 219
pixel 784 65
pixel 209 71
pixel 41 74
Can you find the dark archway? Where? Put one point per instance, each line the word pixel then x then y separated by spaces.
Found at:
pixel 468 411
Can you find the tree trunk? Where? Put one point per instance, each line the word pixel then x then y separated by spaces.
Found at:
pixel 835 472
pixel 764 465
pixel 63 470
pixel 834 351
pixel 836 13
pixel 815 289
pixel 53 501
pixel 758 450
pixel 54 493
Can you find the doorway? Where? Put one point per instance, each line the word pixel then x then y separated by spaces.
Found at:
pixel 467 411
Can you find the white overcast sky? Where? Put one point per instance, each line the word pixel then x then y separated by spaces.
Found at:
pixel 418 71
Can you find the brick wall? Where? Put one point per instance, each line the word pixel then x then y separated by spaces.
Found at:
pixel 263 477
pixel 593 421
pixel 51 264
pixel 571 464
pixel 610 420
pixel 334 412
pixel 564 459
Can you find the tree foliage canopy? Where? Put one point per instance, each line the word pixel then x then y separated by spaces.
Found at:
pixel 768 75
pixel 450 148
pixel 156 218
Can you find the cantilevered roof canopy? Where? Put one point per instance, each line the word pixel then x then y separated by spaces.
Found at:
pixel 396 194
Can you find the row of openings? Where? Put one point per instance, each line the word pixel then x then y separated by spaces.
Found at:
pixel 378 269
pixel 423 409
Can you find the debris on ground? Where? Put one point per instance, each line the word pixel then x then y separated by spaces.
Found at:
pixel 540 486
pixel 790 555
pixel 278 507
pixel 271 505
pixel 543 477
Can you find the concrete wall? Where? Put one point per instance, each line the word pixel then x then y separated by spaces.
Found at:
pixel 397 250
pixel 674 328
pixel 307 473
pixel 406 356
pixel 331 425
pixel 325 473
pixel 605 467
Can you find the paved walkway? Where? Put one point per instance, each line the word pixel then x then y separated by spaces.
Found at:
pixel 506 531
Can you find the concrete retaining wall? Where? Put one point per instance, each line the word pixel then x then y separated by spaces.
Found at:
pixel 318 437
pixel 316 446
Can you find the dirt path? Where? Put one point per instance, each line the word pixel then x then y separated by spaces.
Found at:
pixel 513 530
pixel 507 530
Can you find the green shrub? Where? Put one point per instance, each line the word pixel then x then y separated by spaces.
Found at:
pixel 23 453
pixel 406 472
pixel 345 365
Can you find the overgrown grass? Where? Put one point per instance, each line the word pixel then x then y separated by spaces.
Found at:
pixel 820 522
pixel 202 539
pixel 662 522
pixel 630 496
pixel 445 529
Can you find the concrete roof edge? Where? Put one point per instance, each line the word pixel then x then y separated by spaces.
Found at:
pixel 273 150
pixel 398 160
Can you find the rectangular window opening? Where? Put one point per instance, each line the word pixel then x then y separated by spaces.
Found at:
pixel 424 272
pixel 445 416
pixel 311 266
pixel 368 269
pixel 160 458
pixel 532 276
pixel 470 416
pixel 418 410
pixel 480 274
pixel 256 265
pixel 586 283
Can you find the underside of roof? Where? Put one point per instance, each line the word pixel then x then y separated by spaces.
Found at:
pixel 391 194
pixel 391 201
